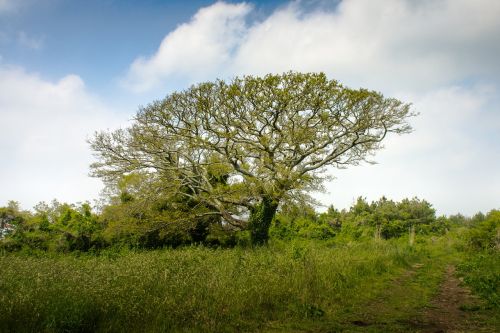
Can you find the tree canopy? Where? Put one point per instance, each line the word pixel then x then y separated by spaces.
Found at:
pixel 237 149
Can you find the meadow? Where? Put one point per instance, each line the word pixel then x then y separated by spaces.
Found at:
pixel 380 267
pixel 285 286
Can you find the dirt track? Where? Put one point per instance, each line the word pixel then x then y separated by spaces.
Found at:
pixel 451 311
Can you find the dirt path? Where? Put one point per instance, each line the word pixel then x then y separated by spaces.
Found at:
pixel 393 308
pixel 452 310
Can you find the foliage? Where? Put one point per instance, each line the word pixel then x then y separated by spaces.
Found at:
pixel 192 289
pixel 131 219
pixel 481 269
pixel 78 270
pixel 239 149
pixel 303 222
pixel 60 227
pixel 389 219
pixel 485 235
pixel 11 217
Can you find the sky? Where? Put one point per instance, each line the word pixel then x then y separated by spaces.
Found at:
pixel 70 68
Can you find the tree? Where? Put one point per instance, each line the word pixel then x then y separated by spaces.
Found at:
pixel 485 235
pixel 269 138
pixel 10 218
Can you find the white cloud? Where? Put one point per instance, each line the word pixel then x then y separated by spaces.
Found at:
pixel 43 131
pixel 388 45
pixel 437 54
pixel 30 42
pixel 197 49
pixel 13 6
pixel 8 5
pixel 451 158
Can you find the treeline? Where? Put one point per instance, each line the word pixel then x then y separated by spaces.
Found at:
pixel 379 219
pixel 127 221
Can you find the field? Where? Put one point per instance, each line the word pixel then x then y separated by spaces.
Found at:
pixel 294 286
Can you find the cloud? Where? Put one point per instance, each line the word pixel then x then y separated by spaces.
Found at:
pixel 13 6
pixel 450 159
pixel 43 131
pixel 441 55
pixel 389 45
pixel 8 5
pixel 197 49
pixel 28 41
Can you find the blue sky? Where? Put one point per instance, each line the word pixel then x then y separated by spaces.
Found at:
pixel 98 39
pixel 69 68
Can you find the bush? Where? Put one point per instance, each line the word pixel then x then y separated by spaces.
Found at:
pixel 287 228
pixel 481 269
pixel 482 273
pixel 486 234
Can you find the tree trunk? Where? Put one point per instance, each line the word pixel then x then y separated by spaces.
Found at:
pixel 260 220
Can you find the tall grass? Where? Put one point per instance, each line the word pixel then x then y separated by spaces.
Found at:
pixel 482 273
pixel 192 289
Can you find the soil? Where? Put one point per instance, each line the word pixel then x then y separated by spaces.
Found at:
pixel 452 310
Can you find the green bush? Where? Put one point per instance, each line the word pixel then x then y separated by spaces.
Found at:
pixel 481 269
pixel 485 235
pixel 482 273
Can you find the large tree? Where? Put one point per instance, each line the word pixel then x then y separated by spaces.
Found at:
pixel 239 148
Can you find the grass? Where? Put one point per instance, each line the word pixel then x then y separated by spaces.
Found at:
pixel 388 302
pixel 196 289
pixel 297 286
pixel 481 271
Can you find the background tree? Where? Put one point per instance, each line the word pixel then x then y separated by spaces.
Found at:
pixel 140 215
pixel 57 226
pixel 11 217
pixel 267 138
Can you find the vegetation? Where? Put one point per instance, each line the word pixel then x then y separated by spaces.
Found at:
pixel 68 269
pixel 207 226
pixel 238 150
pixel 194 288
pixel 481 269
pixel 135 224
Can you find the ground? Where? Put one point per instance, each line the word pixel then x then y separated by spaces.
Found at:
pixel 427 298
pixel 369 287
pixel 452 309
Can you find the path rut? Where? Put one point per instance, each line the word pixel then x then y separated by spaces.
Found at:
pixel 450 311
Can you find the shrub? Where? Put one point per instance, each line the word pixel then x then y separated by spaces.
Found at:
pixel 486 234
pixel 482 273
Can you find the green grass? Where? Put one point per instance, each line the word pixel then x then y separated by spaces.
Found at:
pixel 198 289
pixel 295 286
pixel 481 271
pixel 391 301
